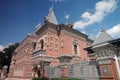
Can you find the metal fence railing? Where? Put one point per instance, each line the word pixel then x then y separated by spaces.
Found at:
pixel 85 70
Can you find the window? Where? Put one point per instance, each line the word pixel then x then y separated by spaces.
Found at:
pixel 42 44
pixel 106 70
pixel 34 45
pixel 75 49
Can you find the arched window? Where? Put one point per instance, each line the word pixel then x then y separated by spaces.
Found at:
pixel 42 44
pixel 34 45
pixel 75 49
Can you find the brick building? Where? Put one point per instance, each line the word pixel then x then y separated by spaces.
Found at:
pixel 106 52
pixel 51 44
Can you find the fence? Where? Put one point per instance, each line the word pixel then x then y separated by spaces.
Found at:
pixel 85 70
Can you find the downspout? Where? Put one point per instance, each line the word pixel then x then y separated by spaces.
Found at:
pixel 58 33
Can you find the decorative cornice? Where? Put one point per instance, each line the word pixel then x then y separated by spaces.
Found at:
pixel 62 28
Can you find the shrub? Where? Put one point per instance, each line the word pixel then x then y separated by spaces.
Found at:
pixel 65 79
pixel 57 79
pixel 41 79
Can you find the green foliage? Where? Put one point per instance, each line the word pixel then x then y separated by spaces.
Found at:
pixel 66 79
pixel 6 55
pixel 57 79
pixel 41 79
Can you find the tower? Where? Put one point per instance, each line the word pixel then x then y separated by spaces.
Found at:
pixel 51 16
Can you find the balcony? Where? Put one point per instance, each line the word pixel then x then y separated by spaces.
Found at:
pixel 38 53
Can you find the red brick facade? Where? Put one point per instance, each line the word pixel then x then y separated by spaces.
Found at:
pixel 55 45
pixel 108 71
pixel 54 42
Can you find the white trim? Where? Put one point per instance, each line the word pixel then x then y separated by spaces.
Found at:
pixel 117 66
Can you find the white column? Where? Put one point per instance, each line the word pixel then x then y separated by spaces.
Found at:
pixel 117 66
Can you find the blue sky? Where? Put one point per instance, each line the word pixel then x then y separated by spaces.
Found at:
pixel 19 17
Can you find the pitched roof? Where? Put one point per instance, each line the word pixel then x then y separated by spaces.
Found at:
pixel 51 16
pixel 102 37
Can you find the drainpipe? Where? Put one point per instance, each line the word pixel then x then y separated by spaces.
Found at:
pixel 58 33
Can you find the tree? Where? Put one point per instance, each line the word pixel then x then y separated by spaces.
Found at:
pixel 6 55
pixel 2 57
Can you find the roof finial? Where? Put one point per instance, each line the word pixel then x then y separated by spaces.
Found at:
pixel 102 27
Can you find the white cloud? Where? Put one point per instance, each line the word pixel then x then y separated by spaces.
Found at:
pixel 102 9
pixel 1 47
pixel 67 16
pixel 114 31
pixel 6 46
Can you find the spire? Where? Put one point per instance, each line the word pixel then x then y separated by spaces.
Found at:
pixel 51 16
pixel 102 37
